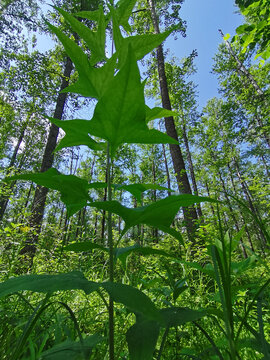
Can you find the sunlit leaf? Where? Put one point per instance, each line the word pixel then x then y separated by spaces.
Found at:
pixel 76 134
pixel 74 191
pixel 123 12
pixel 159 214
pixel 158 113
pixel 141 45
pixel 119 115
pixel 92 81
pixel 137 189
pixel 95 40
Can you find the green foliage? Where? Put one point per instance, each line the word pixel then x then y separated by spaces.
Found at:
pixel 142 338
pixel 159 214
pixel 199 293
pixel 74 191
pixel 256 32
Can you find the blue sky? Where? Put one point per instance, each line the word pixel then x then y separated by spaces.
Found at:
pixel 204 18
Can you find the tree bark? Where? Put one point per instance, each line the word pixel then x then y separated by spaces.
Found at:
pixel 41 192
pixel 232 213
pixel 243 219
pixel 192 172
pixel 190 215
pixel 5 198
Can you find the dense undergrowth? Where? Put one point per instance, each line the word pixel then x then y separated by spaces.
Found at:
pixel 38 326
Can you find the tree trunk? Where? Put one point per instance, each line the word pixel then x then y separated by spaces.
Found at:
pixel 243 219
pixel 166 168
pixel 252 206
pixel 190 215
pixel 211 205
pixel 192 172
pixel 5 198
pixel 232 213
pixel 265 166
pixel 41 192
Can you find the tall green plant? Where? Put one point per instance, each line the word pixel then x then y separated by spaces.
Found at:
pixel 120 117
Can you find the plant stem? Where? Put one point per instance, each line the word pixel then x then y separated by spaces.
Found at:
pixel 111 261
pixel 166 332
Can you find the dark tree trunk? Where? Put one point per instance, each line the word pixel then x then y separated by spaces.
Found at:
pixel 79 225
pixel 166 168
pixel 41 192
pixel 8 188
pixel 192 172
pixel 190 215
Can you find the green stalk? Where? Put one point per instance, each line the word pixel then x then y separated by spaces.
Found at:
pixel 111 260
pixel 224 266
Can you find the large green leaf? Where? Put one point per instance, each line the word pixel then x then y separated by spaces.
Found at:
pixel 206 269
pixel 141 44
pixel 92 81
pixel 133 299
pixel 158 113
pixel 124 11
pixel 74 191
pixel 159 214
pixel 127 295
pixel 122 253
pixel 48 283
pixel 119 116
pixel 94 40
pixel 137 189
pixel 142 338
pixel 178 316
pixel 144 44
pixel 76 134
pixel 92 15
pixel 72 350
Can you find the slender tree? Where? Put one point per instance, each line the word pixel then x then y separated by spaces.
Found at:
pixel 190 214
